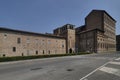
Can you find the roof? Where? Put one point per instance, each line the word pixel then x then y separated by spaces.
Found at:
pixel 90 30
pixel 103 12
pixel 118 35
pixel 80 29
pixel 31 33
pixel 65 26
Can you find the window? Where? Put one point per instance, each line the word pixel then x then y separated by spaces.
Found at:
pixel 5 35
pixel 28 40
pixel 36 42
pixel 49 42
pixel 36 52
pixel 49 51
pixel 4 55
pixel 14 49
pixel 62 45
pixel 43 41
pixel 22 54
pixel 43 52
pixel 18 40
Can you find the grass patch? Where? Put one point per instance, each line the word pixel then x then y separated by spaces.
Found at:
pixel 17 58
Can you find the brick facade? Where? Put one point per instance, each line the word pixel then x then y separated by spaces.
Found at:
pixel 20 43
pixel 97 35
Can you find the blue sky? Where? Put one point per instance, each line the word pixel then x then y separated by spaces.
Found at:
pixel 45 15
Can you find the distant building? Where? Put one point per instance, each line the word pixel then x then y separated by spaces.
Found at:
pixel 97 35
pixel 118 42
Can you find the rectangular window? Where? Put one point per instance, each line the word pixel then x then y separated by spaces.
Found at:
pixel 43 41
pixel 43 52
pixel 49 42
pixel 62 45
pixel 5 35
pixel 49 52
pixel 36 52
pixel 28 40
pixel 14 49
pixel 18 40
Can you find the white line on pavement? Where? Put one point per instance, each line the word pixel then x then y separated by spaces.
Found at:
pixel 116 63
pixel 111 70
pixel 83 78
pixel 117 59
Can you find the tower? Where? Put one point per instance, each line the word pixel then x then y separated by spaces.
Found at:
pixel 67 31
